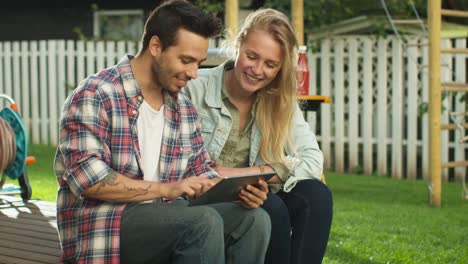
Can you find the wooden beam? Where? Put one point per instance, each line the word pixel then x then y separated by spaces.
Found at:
pixel 454 164
pixel 406 21
pixel 453 126
pixel 232 17
pixel 455 87
pixel 454 13
pixel 435 169
pixel 298 19
pixel 455 51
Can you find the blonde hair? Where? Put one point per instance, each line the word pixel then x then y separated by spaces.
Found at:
pixel 276 101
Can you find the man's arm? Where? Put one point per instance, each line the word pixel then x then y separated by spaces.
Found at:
pixel 118 188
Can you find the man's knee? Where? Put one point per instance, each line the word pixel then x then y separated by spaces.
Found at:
pixel 260 222
pixel 207 221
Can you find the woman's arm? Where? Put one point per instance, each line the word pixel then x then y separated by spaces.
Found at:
pixel 306 160
pixel 227 171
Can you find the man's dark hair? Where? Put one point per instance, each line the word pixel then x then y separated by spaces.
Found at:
pixel 166 19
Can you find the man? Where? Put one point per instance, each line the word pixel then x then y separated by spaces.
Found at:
pixel 130 147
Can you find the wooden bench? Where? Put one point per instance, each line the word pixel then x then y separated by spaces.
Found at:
pixel 28 231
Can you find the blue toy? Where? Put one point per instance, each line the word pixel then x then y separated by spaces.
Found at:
pixel 17 168
pixel 17 171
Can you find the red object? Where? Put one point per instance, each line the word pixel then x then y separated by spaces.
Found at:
pixel 30 160
pixel 302 73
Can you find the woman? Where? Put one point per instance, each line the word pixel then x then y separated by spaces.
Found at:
pixel 251 123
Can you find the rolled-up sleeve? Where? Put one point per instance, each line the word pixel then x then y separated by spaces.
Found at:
pixel 84 141
pixel 306 160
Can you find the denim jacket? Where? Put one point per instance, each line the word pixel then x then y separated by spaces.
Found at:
pixel 305 161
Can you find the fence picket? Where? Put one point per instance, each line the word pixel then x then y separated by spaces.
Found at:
pixel 397 106
pixel 44 121
pixel 131 47
pixel 312 63
pixel 382 107
pixel 100 55
pixel 70 82
pixel 339 105
pixel 8 71
pixel 425 117
pixel 412 109
pixel 16 74
pixel 353 95
pixel 121 49
pixel 25 87
pixel 90 58
pixel 110 58
pixel 325 113
pixel 367 107
pixel 52 87
pixel 35 121
pixel 80 62
pixel 61 83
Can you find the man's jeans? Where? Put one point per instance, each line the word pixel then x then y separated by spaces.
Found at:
pixel 175 233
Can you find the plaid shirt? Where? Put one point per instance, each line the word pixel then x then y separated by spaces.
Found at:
pixel 98 135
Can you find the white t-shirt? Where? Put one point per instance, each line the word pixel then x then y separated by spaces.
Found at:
pixel 150 125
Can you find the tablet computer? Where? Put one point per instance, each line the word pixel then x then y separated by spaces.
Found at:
pixel 227 190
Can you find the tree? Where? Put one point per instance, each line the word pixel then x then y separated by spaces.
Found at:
pixel 318 13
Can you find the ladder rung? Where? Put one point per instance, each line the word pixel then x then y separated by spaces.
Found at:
pixel 453 164
pixel 454 51
pixel 455 13
pixel 407 21
pixel 455 87
pixel 458 113
pixel 452 126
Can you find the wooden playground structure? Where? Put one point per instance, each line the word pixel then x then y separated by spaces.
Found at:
pixel 297 11
pixel 435 13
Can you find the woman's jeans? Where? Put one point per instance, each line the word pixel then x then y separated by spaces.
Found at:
pixel 301 222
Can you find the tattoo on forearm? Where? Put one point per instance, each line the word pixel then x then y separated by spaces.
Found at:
pixel 138 191
pixel 110 180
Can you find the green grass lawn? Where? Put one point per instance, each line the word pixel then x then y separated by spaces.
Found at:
pixel 382 220
pixel 41 174
pixel 376 219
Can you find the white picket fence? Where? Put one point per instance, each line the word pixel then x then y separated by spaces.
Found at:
pixel 40 74
pixel 372 125
pixel 377 86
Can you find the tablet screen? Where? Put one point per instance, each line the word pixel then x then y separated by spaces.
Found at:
pixel 227 190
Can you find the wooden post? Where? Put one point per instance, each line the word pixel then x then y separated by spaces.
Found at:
pixel 434 13
pixel 232 17
pixel 298 19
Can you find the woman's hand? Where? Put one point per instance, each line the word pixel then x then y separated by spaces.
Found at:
pixel 253 196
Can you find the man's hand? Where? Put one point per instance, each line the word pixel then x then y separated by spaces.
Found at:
pixel 252 196
pixel 191 186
